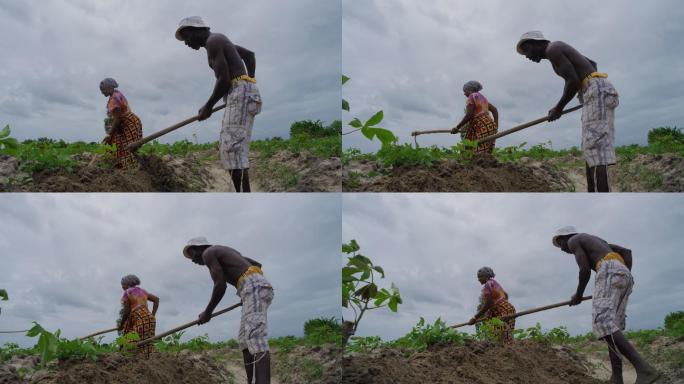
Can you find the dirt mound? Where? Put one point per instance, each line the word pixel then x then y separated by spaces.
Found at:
pixel 286 171
pixel 311 365
pixel 160 368
pixel 521 362
pixel 483 173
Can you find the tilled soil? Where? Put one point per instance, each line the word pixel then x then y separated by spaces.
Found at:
pixel 482 174
pixel 477 363
pixel 310 365
pixel 160 368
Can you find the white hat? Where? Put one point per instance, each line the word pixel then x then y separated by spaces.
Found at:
pixel 192 21
pixel 527 36
pixel 565 231
pixel 195 242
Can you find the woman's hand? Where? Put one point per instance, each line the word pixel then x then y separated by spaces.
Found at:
pixel 472 321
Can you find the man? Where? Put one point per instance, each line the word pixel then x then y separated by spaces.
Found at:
pixel 237 86
pixel 612 287
pixel 597 95
pixel 228 266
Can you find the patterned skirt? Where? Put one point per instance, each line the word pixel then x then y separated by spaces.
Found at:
pixel 480 127
pixel 129 132
pixel 504 333
pixel 142 322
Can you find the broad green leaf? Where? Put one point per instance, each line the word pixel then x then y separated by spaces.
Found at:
pixel 344 79
pixel 35 330
pixel 392 304
pixel 380 270
pixel 356 123
pixel 5 131
pixel 345 105
pixel 354 245
pixel 3 295
pixel 375 120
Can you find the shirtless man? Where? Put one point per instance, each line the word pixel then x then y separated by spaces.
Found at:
pixel 237 86
pixel 597 95
pixel 612 286
pixel 228 266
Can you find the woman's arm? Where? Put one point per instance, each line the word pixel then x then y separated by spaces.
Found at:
pixel 116 121
pixel 470 111
pixel 124 317
pixel 155 300
pixel 495 113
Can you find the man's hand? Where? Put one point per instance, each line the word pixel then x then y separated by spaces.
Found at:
pixel 575 300
pixel 204 113
pixel 554 113
pixel 203 318
pixel 455 130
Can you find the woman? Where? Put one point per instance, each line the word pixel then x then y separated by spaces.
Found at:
pixel 479 123
pixel 494 303
pixel 135 316
pixel 124 127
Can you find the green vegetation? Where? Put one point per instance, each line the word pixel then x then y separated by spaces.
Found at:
pixel 359 290
pixel 323 142
pixel 369 128
pixel 660 141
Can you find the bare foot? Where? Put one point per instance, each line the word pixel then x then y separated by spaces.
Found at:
pixel 616 379
pixel 647 377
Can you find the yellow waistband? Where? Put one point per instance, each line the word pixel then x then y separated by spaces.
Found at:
pixel 601 75
pixel 243 77
pixel 610 256
pixel 250 271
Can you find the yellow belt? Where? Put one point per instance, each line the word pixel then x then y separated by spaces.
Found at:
pixel 243 77
pixel 592 75
pixel 250 271
pixel 610 256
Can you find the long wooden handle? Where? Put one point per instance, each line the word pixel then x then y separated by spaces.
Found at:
pixel 526 125
pixel 99 333
pixel 187 325
pixel 523 313
pixel 137 144
pixel 416 133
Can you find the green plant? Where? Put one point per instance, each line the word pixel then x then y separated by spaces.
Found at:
pixel 674 324
pixel 364 344
pixel 359 289
pixel 424 335
pixel 369 128
pixel 47 343
pixel 7 142
pixel 323 331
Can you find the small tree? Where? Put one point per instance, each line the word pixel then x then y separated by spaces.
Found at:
pixel 359 290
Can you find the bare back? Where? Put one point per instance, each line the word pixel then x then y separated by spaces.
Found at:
pixel 561 55
pixel 594 249
pixel 232 263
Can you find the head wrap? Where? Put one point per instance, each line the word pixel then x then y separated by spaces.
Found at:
pixel 473 86
pixel 109 82
pixel 485 272
pixel 130 280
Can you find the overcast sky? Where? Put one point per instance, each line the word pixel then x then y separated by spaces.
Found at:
pixel 431 246
pixel 63 257
pixel 411 59
pixel 56 52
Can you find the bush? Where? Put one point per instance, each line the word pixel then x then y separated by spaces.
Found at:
pixel 424 335
pixel 315 128
pixel 323 331
pixel 665 135
pixel 674 324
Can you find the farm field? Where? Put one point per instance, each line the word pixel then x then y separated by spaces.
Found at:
pixel 656 167
pixel 307 161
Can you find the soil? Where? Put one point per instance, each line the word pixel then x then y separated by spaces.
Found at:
pixel 195 172
pixel 644 173
pixel 301 365
pixel 481 362
pixel 483 174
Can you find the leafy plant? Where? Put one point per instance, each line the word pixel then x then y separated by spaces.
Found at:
pixel 7 142
pixel 359 289
pixel 47 343
pixel 674 324
pixel 369 128
pixel 424 335
pixel 364 344
pixel 323 331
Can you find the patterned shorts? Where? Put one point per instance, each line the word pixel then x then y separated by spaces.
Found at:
pixel 599 99
pixel 612 286
pixel 242 104
pixel 256 294
pixel 480 127
pixel 130 132
pixel 142 322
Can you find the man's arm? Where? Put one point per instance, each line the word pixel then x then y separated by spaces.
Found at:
pixel 222 85
pixel 219 290
pixel 625 253
pixel 253 262
pixel 563 67
pixel 249 58
pixel 584 272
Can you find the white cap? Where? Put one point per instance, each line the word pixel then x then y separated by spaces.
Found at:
pixel 569 230
pixel 527 36
pixel 192 21
pixel 195 242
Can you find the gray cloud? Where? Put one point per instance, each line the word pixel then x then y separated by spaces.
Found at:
pixel 64 255
pixel 411 59
pixel 431 246
pixel 55 54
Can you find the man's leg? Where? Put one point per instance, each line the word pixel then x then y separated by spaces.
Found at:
pixel 248 358
pixel 240 178
pixel 591 186
pixel 615 362
pixel 597 178
pixel 263 367
pixel 645 373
